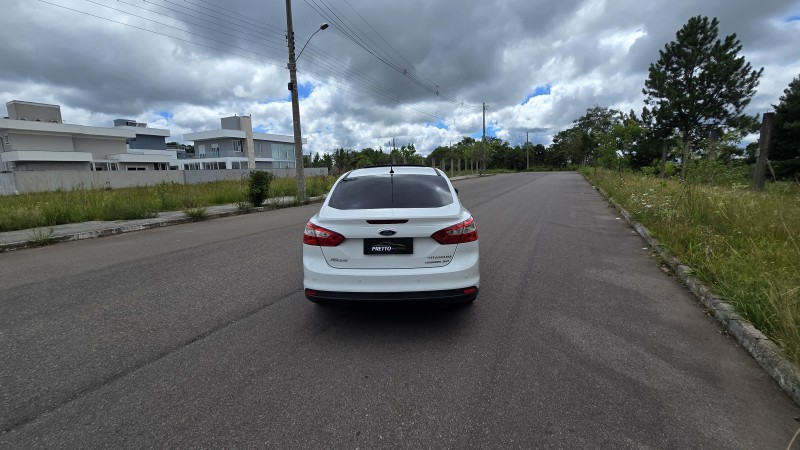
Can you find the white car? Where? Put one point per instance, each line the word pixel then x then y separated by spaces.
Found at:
pixel 391 233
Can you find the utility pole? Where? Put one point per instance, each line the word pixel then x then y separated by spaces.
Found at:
pixel 527 152
pixel 292 66
pixel 759 176
pixel 298 138
pixel 483 142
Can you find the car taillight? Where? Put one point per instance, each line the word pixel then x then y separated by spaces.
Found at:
pixel 316 235
pixel 460 233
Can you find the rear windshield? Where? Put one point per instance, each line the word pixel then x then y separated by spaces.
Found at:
pixel 391 191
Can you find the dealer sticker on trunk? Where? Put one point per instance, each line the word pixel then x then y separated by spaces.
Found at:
pixel 392 246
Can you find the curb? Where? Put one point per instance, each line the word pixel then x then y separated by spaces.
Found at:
pixel 761 348
pixel 153 223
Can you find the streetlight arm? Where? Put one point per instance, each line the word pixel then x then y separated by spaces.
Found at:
pixel 321 27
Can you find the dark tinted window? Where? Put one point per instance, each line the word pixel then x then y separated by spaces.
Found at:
pixel 385 191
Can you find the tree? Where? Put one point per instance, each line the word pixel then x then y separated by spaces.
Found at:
pixel 327 161
pixel 699 83
pixel 409 155
pixel 343 160
pixel 595 124
pixel 785 145
pixel 627 137
pixel 658 137
pixel 538 155
pixel 568 147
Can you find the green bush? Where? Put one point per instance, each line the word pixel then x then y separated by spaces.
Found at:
pixel 258 186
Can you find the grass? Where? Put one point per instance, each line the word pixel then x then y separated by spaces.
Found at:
pixel 41 237
pixel 46 209
pixel 744 245
pixel 196 212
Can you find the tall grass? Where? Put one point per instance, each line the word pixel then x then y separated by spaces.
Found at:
pixel 46 209
pixel 287 187
pixel 744 245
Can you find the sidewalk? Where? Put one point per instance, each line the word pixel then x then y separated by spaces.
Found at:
pixel 15 240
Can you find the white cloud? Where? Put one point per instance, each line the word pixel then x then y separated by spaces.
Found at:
pixel 498 52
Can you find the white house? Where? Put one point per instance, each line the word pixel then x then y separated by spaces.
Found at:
pixel 34 138
pixel 236 146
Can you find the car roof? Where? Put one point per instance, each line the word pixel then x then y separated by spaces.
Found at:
pixel 397 169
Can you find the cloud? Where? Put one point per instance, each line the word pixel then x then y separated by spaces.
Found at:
pixel 418 71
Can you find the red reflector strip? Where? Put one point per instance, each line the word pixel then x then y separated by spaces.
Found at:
pixel 470 290
pixel 386 222
pixel 311 293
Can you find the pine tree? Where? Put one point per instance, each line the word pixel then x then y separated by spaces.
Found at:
pixel 699 83
pixel 786 132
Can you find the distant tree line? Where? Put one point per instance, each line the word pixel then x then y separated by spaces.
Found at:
pixel 467 155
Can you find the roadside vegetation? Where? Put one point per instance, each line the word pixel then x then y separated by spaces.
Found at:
pixel 681 170
pixel 45 209
pixel 744 245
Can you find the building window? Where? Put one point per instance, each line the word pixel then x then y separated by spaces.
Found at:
pixel 214 151
pixel 217 165
pixel 136 168
pixel 237 145
pixel 201 150
pixel 261 149
pixel 283 155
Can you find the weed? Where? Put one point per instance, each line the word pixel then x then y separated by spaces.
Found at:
pixel 41 236
pixel 196 212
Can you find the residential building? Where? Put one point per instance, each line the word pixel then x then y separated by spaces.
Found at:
pixel 236 146
pixel 146 151
pixel 34 138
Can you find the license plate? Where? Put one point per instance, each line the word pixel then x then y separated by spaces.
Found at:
pixel 389 246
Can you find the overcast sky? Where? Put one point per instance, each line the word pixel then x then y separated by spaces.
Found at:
pixel 417 71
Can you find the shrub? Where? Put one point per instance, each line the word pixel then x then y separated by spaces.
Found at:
pixel 258 186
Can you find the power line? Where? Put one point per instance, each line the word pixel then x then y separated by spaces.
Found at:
pixel 238 26
pixel 335 17
pixel 164 34
pixel 187 21
pixel 241 16
pixel 383 92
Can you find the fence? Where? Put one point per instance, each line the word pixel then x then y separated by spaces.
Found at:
pixel 7 185
pixel 51 180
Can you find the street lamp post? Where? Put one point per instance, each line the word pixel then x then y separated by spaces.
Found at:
pixel 298 138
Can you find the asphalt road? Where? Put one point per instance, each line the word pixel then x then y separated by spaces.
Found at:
pixel 198 335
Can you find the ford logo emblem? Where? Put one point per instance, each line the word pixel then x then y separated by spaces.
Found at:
pixel 387 232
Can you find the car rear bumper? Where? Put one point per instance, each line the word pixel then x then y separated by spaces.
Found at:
pixel 462 272
pixel 446 297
